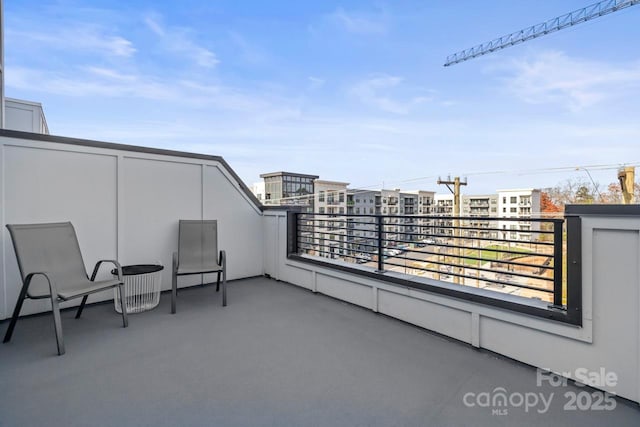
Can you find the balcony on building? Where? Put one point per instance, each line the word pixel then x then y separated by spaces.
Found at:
pixel 305 339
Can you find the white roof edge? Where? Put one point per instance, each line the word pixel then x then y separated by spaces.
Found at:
pixel 23 101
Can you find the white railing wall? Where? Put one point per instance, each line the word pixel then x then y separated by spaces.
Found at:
pixel 125 204
pixel 609 338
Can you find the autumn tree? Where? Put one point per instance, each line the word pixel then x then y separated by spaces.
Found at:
pixel 547 205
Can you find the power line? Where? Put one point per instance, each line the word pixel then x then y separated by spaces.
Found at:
pixel 359 189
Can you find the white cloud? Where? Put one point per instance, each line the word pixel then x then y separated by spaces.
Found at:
pixel 178 41
pixel 248 51
pixel 359 23
pixel 95 81
pixel 80 38
pixel 315 82
pixel 374 92
pixel 92 81
pixel 576 84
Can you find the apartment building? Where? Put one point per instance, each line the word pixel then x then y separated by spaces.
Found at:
pixel 443 208
pixel 288 189
pixel 330 232
pixel 519 203
pixel 433 212
pixel 424 207
pixel 479 207
pixel 258 190
pixel 361 236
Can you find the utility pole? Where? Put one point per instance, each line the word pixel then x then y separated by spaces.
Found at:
pixel 626 176
pixel 456 221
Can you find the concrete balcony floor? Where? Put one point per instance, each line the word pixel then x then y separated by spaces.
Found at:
pixel 278 355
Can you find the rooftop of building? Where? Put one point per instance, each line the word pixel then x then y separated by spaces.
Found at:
pixel 276 355
pixel 293 174
pixel 327 182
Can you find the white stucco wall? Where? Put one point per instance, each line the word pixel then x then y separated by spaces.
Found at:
pixel 609 337
pixel 124 204
pixel 25 116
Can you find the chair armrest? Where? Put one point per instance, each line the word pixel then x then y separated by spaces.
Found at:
pixel 48 276
pixel 114 262
pixel 222 259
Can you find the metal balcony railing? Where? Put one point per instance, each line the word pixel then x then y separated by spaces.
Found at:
pixel 460 250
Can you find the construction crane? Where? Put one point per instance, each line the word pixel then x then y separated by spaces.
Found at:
pixel 567 20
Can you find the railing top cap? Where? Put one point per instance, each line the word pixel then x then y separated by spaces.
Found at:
pixel 602 210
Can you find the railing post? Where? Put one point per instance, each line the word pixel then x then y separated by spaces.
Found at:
pixel 574 269
pixel 292 232
pixel 557 263
pixel 380 220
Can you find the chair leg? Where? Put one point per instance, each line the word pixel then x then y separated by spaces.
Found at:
pixel 16 312
pixel 174 282
pixel 57 323
pixel 123 306
pixel 218 283
pixel 84 301
pixel 174 292
pixel 224 288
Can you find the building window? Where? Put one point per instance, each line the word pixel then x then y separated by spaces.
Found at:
pixel 513 210
pixel 341 197
pixel 321 196
pixel 504 210
pixel 514 200
pixel 504 200
pixel 321 210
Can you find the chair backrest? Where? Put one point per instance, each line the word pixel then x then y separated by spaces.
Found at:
pixel 51 248
pixel 197 242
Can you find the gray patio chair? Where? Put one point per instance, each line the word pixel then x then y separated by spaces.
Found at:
pixel 198 254
pixel 51 267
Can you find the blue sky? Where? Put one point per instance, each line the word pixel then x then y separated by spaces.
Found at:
pixel 353 91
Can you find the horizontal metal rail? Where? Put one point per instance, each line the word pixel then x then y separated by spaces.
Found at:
pixel 419 249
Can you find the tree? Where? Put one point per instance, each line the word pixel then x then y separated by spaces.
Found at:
pixel 571 191
pixel 584 195
pixel 614 193
pixel 547 205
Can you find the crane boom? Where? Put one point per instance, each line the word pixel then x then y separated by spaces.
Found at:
pixel 558 23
